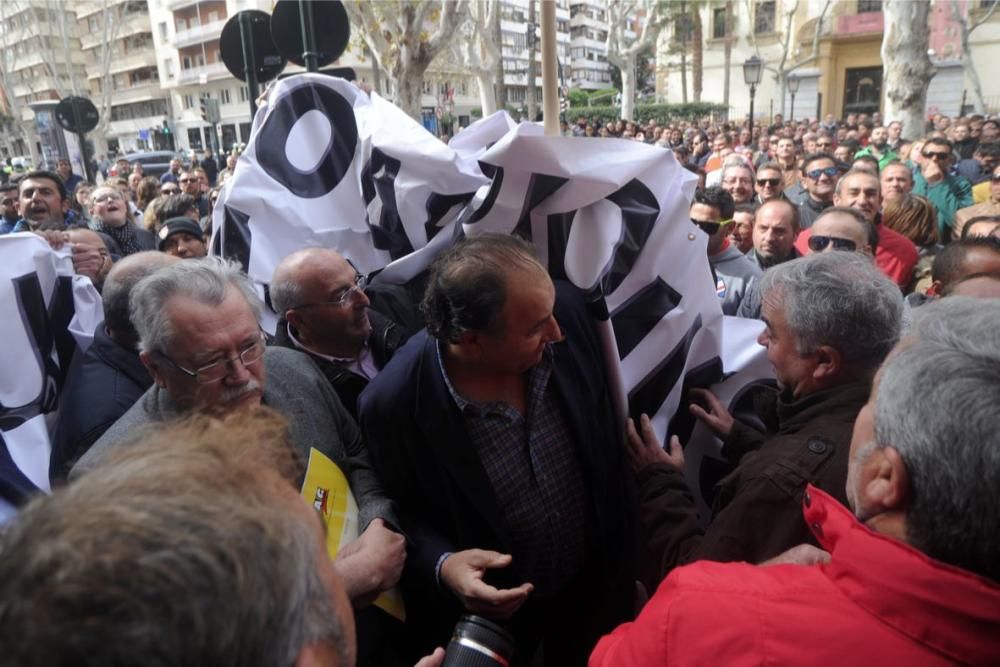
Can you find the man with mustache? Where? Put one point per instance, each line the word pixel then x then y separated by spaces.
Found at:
pixel 200 341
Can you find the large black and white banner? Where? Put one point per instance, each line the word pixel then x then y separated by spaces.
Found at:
pixel 328 166
pixel 48 314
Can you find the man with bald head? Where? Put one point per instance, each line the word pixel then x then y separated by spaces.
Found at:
pixel 109 378
pixel 324 312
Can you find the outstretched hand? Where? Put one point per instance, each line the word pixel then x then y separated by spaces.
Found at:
pixel 644 447
pixel 463 571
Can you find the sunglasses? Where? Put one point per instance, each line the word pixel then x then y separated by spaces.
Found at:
pixel 939 157
pixel 710 228
pixel 819 145
pixel 816 173
pixel 772 182
pixel 819 243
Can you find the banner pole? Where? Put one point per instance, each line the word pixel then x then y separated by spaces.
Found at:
pixel 550 76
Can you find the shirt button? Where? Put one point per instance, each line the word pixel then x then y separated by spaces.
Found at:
pixel 807 499
pixel 817 446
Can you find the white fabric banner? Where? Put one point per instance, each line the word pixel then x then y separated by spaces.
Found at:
pixel 328 166
pixel 48 314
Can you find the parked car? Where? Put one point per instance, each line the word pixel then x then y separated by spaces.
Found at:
pixel 154 163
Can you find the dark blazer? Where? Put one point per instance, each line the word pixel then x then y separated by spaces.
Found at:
pixel 386 337
pixel 421 452
pixel 100 388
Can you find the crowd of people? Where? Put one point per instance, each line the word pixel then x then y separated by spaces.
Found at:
pixel 855 518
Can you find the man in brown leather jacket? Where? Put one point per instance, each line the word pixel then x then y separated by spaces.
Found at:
pixel 831 319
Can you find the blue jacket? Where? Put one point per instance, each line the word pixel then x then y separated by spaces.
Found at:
pixel 419 447
pixel 100 388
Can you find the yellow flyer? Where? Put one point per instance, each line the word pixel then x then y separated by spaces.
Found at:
pixel 326 487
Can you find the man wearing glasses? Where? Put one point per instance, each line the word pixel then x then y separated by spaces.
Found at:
pixel 712 212
pixel 326 313
pixel 770 184
pixel 819 177
pixel 932 180
pixel 191 182
pixel 197 324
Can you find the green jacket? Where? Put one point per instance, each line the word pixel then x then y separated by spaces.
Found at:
pixel 948 196
pixel 886 158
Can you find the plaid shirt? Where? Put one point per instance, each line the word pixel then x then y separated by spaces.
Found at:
pixel 536 476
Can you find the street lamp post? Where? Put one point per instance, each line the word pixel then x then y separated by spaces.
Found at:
pixel 793 87
pixel 753 69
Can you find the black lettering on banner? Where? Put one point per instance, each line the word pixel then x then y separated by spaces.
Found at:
pixel 237 237
pixel 540 188
pixel 379 180
pixel 338 156
pixel 634 319
pixel 48 329
pixel 15 487
pixel 438 205
pixel 639 213
pixel 471 216
pixel 649 394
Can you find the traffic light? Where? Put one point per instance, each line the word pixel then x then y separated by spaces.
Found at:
pixel 204 109
pixel 209 110
pixel 166 128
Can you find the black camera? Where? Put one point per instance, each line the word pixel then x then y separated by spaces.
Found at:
pixel 478 642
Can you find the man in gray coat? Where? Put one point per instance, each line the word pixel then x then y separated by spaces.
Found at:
pixel 200 341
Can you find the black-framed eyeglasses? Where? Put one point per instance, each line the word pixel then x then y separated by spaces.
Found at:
pixel 772 182
pixel 939 157
pixel 345 296
pixel 217 370
pixel 819 145
pixel 820 243
pixel 816 173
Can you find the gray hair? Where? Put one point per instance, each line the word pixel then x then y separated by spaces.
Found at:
pixel 185 548
pixel 285 294
pixel 118 286
pixel 738 163
pixel 936 404
pixel 838 299
pixel 206 280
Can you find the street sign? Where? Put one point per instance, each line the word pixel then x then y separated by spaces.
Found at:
pixel 310 33
pixel 77 114
pixel 265 61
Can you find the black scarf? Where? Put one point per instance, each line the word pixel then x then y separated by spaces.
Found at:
pixel 124 236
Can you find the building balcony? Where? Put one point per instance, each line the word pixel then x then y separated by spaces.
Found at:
pixel 132 126
pixel 125 64
pixel 36 85
pixel 174 5
pixel 131 24
pixel 198 34
pixel 588 21
pixel 854 25
pixel 138 93
pixel 595 44
pixel 203 74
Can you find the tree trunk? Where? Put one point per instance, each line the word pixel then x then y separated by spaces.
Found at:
pixel 376 72
pixel 409 84
pixel 728 53
pixel 529 96
pixel 501 86
pixel 487 98
pixel 628 88
pixel 697 53
pixel 907 70
pixel 684 77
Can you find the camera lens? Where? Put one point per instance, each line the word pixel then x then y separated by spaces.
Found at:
pixel 478 642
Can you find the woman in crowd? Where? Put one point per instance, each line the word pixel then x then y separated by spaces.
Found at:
pixel 915 218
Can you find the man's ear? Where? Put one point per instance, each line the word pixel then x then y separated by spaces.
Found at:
pixel 885 481
pixel 65 204
pixel 829 363
pixel 153 367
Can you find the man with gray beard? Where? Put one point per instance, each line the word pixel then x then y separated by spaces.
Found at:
pixel 200 341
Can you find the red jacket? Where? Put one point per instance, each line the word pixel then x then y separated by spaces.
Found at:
pixel 878 602
pixel 895 256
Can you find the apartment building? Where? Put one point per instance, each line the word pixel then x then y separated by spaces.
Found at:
pixel 116 39
pixel 40 63
pixel 588 44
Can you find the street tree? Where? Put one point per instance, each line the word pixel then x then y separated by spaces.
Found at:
pixel 479 50
pixel 965 26
pixel 623 51
pixel 906 67
pixel 406 36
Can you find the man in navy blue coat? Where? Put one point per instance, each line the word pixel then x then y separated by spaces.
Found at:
pixel 494 432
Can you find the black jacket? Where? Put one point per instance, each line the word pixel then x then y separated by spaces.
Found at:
pixel 101 386
pixel 386 337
